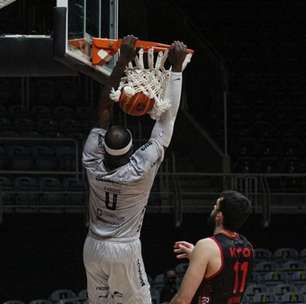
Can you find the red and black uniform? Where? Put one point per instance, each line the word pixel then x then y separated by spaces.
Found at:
pixel 228 284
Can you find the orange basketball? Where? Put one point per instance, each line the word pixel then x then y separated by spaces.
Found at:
pixel 136 105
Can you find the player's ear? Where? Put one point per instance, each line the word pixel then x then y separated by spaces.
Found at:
pixel 219 217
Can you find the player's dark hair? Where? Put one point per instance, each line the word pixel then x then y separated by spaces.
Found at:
pixel 117 137
pixel 236 209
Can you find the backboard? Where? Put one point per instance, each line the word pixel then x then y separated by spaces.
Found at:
pixel 4 3
pixel 86 19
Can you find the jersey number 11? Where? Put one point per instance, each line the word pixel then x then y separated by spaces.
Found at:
pixel 239 283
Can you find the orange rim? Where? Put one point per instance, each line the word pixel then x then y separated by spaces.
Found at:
pixel 113 45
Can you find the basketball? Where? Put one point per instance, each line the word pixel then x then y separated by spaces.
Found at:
pixel 138 104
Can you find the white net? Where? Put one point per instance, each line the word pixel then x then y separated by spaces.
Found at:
pixel 151 81
pixel 4 3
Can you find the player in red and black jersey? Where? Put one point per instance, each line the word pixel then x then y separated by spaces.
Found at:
pixel 221 265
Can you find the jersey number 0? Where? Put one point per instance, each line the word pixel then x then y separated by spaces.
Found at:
pixel 111 203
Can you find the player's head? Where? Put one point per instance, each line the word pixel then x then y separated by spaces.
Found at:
pixel 118 146
pixel 231 210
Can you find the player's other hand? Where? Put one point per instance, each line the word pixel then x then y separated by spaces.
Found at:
pixel 183 249
pixel 177 54
pixel 127 49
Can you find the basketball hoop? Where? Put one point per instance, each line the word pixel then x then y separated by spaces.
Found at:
pixel 104 49
pixel 143 89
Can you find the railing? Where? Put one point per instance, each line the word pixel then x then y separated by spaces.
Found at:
pixel 179 193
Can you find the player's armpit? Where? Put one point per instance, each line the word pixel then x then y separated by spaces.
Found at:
pixel 194 274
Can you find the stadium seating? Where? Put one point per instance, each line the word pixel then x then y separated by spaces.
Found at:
pixel 180 269
pixel 83 294
pixel 291 297
pixel 262 297
pixel 27 190
pixel 20 157
pixel 303 253
pixel 285 253
pixel 273 278
pixel 291 266
pixel 158 282
pixel 40 112
pixel 3 157
pixel 49 127
pixel 74 189
pixel 252 289
pixel 61 294
pixel 51 190
pixel 262 254
pixel 282 289
pixel 280 286
pixel 45 157
pixel 265 266
pixel 40 301
pixel 298 278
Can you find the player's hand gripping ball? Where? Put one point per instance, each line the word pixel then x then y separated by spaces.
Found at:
pixel 133 104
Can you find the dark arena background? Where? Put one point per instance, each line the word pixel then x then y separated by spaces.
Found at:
pixel 241 125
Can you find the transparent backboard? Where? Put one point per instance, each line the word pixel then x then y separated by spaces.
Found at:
pixel 4 3
pixel 87 19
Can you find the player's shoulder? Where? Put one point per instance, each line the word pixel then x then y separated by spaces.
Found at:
pixel 206 242
pixel 207 245
pixel 96 136
pixel 204 250
pixel 97 131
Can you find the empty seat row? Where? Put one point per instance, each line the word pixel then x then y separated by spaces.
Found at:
pixel 269 298
pixel 30 183
pixel 271 165
pixel 62 296
pixel 50 127
pixel 273 278
pixel 279 254
pixel 42 157
pixel 286 265
pixel 17 112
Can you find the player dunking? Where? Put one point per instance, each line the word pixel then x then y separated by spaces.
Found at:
pixel 222 264
pixel 120 181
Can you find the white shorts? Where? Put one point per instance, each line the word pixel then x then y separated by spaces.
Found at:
pixel 115 272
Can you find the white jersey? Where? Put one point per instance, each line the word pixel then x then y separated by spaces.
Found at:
pixel 118 198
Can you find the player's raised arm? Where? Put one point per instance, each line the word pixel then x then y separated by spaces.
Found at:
pixel 163 128
pixel 127 54
pixel 195 273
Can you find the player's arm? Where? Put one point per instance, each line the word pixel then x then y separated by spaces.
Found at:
pixel 195 273
pixel 127 54
pixel 183 249
pixel 163 128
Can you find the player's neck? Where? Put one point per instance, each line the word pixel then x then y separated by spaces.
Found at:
pixel 220 229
